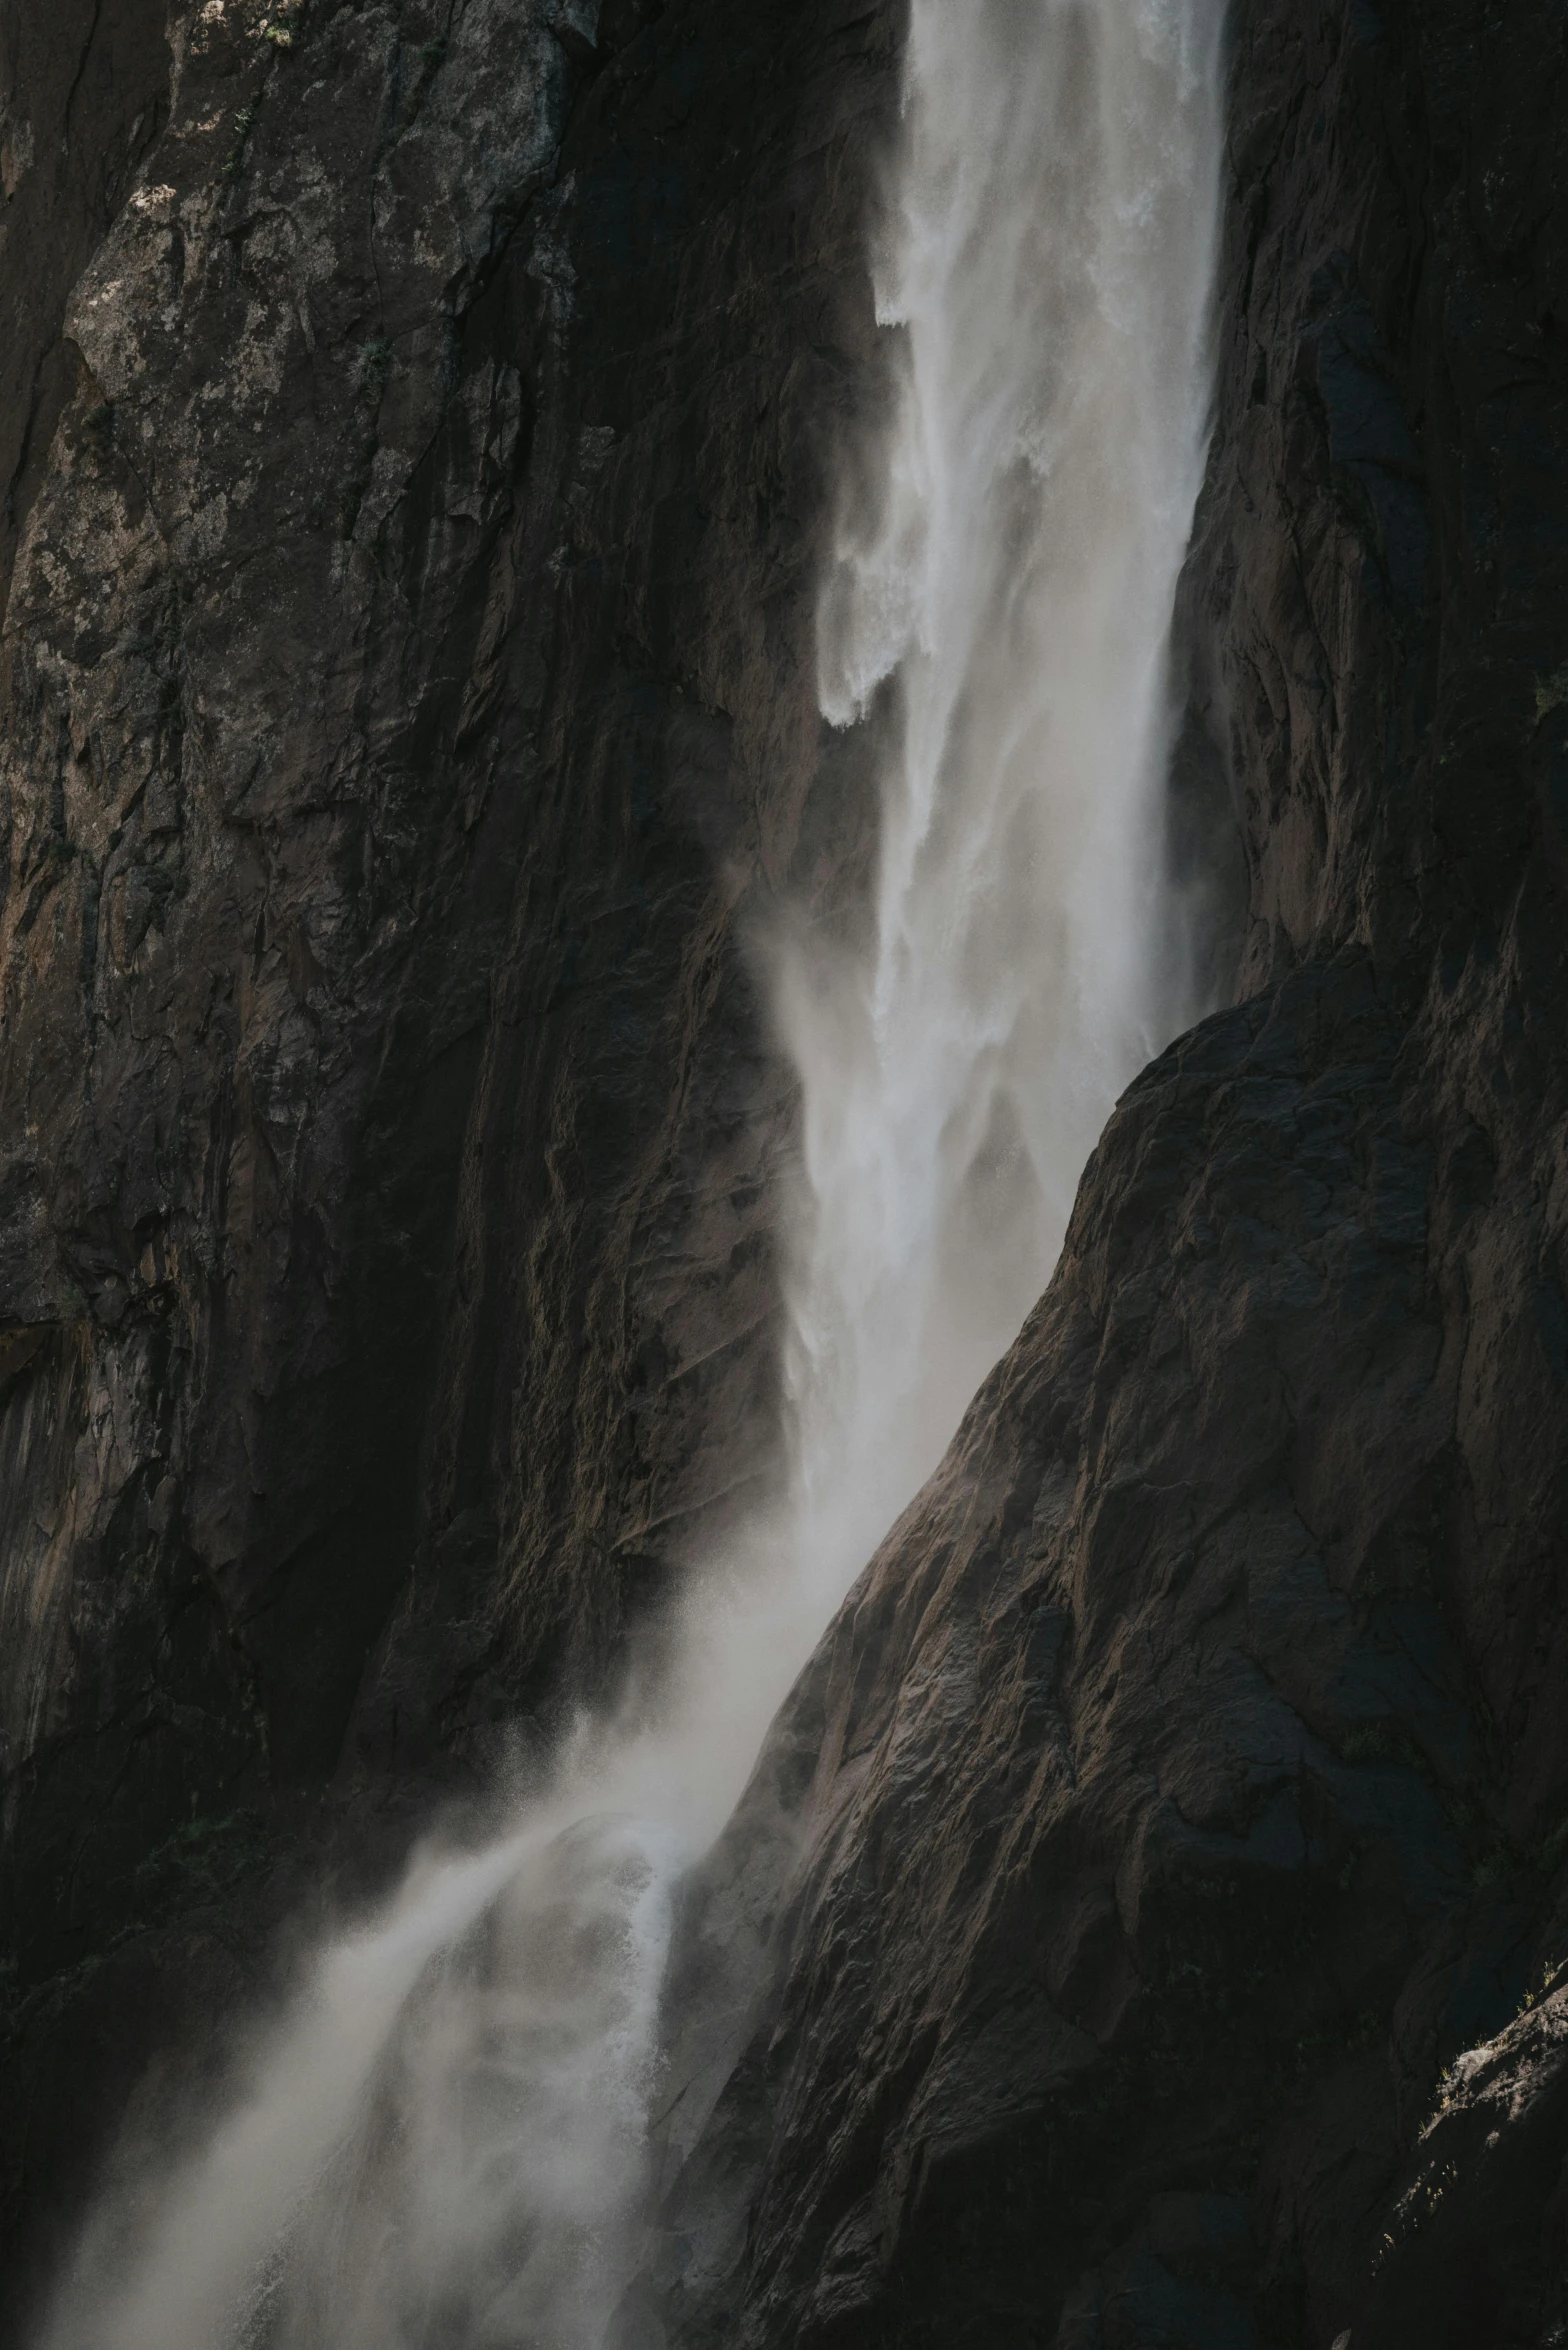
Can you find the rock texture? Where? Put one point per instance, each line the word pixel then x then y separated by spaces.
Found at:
pixel 1145 1925
pixel 413 414
pixel 1122 1940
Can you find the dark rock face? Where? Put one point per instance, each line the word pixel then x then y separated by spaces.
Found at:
pixel 415 424
pixel 414 420
pixel 1184 1788
pixel 1474 2246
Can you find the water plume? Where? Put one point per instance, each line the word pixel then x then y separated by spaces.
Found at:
pixel 441 2146
pixel 1009 574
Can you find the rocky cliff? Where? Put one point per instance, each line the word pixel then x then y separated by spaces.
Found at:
pixel 1146 1924
pixel 417 419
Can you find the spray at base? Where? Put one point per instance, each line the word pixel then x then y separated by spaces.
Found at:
pixel 441 2148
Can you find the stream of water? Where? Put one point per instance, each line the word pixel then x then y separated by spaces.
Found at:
pixel 440 2147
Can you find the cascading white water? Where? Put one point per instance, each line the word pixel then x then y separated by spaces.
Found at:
pixel 1050 272
pixel 441 2148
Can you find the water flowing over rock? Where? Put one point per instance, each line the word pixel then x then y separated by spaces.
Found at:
pixel 1181 1790
pixel 993 624
pixel 426 562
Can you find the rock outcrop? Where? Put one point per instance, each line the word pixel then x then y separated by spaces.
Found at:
pixel 1121 1941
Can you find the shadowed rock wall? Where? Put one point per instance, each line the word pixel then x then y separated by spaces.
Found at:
pixel 414 417
pixel 1185 1786
pixel 415 427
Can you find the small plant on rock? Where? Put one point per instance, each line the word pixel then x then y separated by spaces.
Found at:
pixel 244 124
pixel 283 27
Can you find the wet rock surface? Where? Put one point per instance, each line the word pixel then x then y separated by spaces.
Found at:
pixel 1182 1793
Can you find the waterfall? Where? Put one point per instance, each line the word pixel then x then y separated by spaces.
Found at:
pixel 440 2146
pixel 1009 575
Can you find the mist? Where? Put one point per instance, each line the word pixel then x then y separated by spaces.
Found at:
pixel 440 2147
